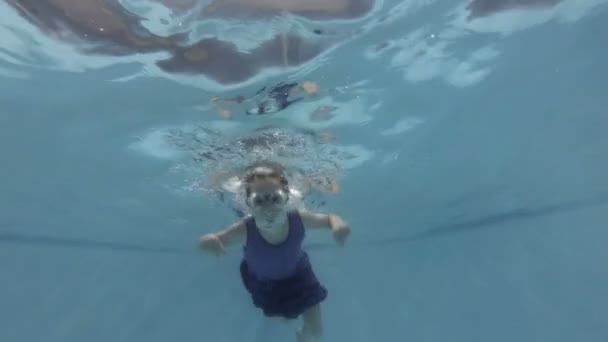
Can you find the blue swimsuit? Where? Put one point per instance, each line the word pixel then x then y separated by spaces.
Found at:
pixel 279 277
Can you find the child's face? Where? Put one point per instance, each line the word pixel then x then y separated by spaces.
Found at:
pixel 267 197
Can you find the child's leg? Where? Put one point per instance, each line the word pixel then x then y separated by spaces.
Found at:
pixel 312 327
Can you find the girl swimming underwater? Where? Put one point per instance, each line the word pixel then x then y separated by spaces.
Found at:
pixel 275 270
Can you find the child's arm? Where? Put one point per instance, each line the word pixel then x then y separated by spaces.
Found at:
pixel 216 242
pixel 233 233
pixel 318 220
pixel 331 221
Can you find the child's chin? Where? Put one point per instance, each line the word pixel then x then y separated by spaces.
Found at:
pixel 269 216
pixel 269 219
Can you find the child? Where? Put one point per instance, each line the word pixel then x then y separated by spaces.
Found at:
pixel 275 270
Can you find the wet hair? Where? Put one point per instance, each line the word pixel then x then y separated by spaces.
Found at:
pixel 265 169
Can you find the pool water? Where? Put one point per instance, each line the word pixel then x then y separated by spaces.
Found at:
pixel 464 142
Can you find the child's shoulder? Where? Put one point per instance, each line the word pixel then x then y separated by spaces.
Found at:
pixel 304 214
pixel 299 212
pixel 303 211
pixel 241 223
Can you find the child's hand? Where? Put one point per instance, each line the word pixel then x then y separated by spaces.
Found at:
pixel 211 243
pixel 341 232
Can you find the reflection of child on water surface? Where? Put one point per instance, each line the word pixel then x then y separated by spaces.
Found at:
pixel 275 100
pixel 275 270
